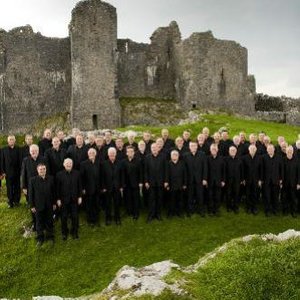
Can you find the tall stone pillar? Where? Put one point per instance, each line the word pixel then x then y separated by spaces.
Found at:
pixel 93 35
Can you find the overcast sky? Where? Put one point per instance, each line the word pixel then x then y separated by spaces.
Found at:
pixel 270 29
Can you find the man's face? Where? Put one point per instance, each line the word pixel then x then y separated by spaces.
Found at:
pixel 119 143
pixel 34 153
pixel 68 164
pixel 112 155
pixel 41 170
pixel 29 140
pixel 179 142
pixel 92 154
pixel 56 143
pixel 186 135
pixel 290 152
pixel 47 134
pixel 270 150
pixel 174 156
pixel 108 137
pixel 99 141
pixel 154 149
pixel 146 136
pixel 232 151
pixel 130 153
pixel 61 135
pixel 193 147
pixel 11 141
pixel 164 133
pixel 214 151
pixel 79 140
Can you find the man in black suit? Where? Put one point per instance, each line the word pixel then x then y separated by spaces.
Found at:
pixel 196 165
pixel 25 148
pixel 46 142
pixel 224 144
pixel 291 182
pixel 272 173
pixel 148 141
pixel 253 177
pixel 55 157
pixel 131 141
pixel 90 178
pixel 29 170
pixel 42 203
pixel 68 194
pixel 154 176
pixel 235 177
pixel 112 186
pixel 11 169
pixel 176 183
pixel 133 182
pixel 216 179
pixel 168 143
pixel 78 151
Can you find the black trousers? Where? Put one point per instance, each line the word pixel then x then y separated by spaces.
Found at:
pixel 195 198
pixel 44 222
pixel 92 208
pixel 215 192
pixel 175 202
pixel 289 199
pixel 132 201
pixel 271 196
pixel 112 205
pixel 69 210
pixel 13 190
pixel 233 195
pixel 33 215
pixel 252 195
pixel 155 202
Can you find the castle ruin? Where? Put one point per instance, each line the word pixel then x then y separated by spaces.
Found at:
pixel 87 73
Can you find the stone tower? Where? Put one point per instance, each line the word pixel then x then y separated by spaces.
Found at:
pixel 93 38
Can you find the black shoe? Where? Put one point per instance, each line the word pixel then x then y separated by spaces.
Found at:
pixel 254 212
pixel 118 222
pixel 64 237
pixel 294 215
pixel 149 220
pixel 159 218
pixel 75 236
pixel 267 214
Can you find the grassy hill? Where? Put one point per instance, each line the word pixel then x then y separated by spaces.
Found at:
pixel 85 266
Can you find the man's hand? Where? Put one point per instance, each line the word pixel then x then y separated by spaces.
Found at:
pixel 222 183
pixel 104 190
pixel 25 191
pixel 298 186
pixel 166 185
pixel 204 182
pixel 58 203
pixel 33 210
pixel 83 192
pixel 259 183
pixel 79 201
pixel 184 187
pixel 147 185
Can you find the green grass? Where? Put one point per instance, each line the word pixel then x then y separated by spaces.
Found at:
pixel 253 270
pixel 86 266
pixel 234 124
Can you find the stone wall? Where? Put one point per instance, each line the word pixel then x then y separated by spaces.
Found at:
pixel 93 34
pixel 35 78
pixel 213 74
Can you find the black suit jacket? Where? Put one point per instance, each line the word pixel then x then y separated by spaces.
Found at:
pixel 41 192
pixel 29 169
pixel 90 177
pixel 155 170
pixel 252 168
pixel 55 160
pixel 196 166
pixel 272 171
pixel 176 175
pixel 111 175
pixel 234 169
pixel 132 172
pixel 11 161
pixel 68 186
pixel 291 172
pixel 216 170
pixel 78 155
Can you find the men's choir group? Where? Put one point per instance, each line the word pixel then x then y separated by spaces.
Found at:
pixel 183 177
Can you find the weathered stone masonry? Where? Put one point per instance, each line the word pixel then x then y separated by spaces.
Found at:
pixel 87 73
